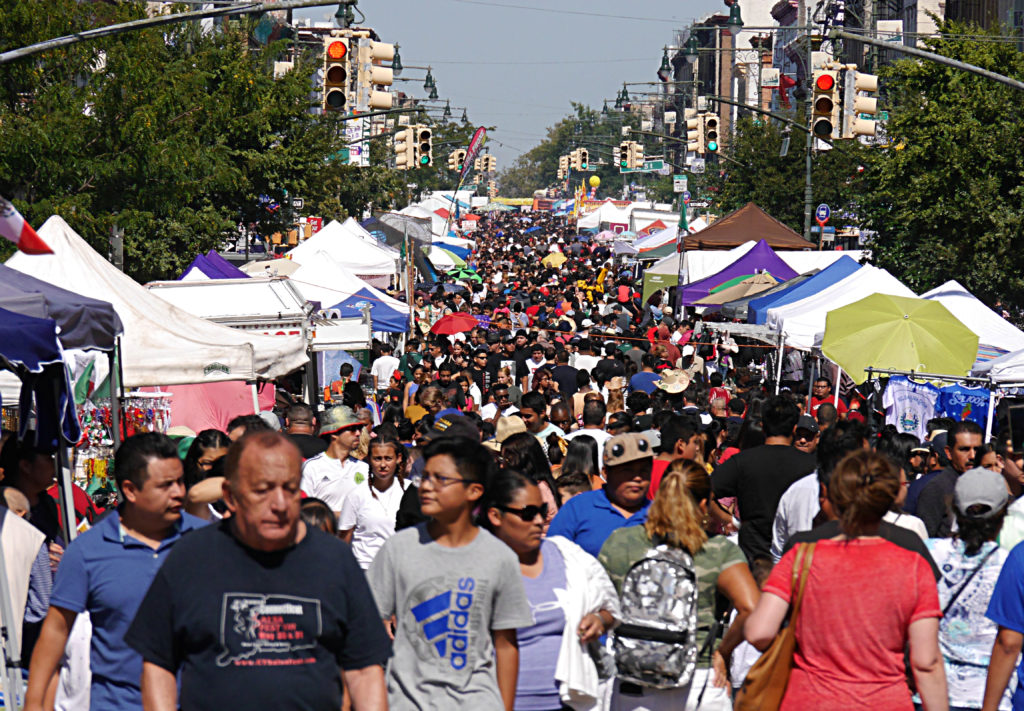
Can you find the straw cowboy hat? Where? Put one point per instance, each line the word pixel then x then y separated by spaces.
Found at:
pixel 673 381
pixel 506 427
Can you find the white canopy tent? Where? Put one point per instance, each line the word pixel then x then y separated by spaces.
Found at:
pixel 608 212
pixel 996 335
pixel 162 344
pixel 367 260
pixel 803 322
pixel 325 280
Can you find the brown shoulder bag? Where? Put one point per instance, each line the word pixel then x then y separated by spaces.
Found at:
pixel 766 681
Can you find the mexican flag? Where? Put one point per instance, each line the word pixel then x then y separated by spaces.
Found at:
pixel 14 228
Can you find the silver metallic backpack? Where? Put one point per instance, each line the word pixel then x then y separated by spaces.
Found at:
pixel 656 644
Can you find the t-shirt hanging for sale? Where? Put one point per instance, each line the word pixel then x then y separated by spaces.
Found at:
pixel 963 403
pixel 909 405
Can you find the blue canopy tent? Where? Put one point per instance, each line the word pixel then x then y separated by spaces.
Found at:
pixel 29 348
pixel 456 249
pixel 757 309
pixel 382 317
pixel 85 323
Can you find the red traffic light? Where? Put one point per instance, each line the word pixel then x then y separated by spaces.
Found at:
pixel 825 82
pixel 337 50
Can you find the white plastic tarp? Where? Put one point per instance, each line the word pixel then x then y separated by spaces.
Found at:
pixel 1007 368
pixel 996 335
pixel 608 212
pixel 359 255
pixel 803 321
pixel 161 345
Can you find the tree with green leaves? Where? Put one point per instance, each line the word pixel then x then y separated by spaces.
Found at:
pixel 946 196
pixel 173 134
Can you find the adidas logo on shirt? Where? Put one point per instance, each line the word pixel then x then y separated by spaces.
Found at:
pixel 444 620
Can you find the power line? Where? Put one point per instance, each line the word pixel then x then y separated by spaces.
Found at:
pixel 552 61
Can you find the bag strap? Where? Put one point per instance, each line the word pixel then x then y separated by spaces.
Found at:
pixel 968 580
pixel 805 568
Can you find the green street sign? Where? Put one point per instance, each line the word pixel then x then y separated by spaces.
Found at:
pixel 650 166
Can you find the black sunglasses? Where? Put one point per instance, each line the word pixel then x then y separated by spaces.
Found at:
pixel 527 513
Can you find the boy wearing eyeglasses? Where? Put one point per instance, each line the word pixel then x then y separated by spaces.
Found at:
pixel 450 593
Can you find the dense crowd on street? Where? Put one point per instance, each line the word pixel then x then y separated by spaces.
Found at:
pixel 586 500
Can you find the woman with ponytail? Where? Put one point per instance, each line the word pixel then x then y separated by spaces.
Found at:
pixel 865 598
pixel 368 513
pixel 679 517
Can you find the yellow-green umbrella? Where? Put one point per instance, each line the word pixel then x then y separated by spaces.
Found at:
pixel 900 333
pixel 555 259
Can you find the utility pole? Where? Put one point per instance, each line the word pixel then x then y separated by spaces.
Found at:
pixel 808 79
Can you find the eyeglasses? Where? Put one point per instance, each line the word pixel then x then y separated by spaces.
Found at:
pixel 527 513
pixel 441 481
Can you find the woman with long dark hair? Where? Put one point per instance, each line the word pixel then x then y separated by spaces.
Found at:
pixel 205 450
pixel 581 458
pixel 523 453
pixel 572 599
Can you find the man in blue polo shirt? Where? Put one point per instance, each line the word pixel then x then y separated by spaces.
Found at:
pixel 589 518
pixel 107 571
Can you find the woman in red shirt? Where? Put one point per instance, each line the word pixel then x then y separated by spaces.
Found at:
pixel 865 598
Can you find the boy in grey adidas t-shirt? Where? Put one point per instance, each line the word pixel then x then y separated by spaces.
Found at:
pixel 446 602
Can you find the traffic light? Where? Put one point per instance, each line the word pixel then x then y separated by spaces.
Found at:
pixel 574 159
pixel 424 146
pixel 371 75
pixel 563 167
pixel 457 159
pixel 694 134
pixel 825 106
pixel 709 125
pixel 636 155
pixel 584 159
pixel 855 106
pixel 492 188
pixel 405 156
pixel 336 89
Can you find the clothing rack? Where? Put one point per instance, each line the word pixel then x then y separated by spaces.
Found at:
pixel 981 380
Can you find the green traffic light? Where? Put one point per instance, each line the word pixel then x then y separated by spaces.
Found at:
pixel 712 145
pixel 623 164
pixel 584 166
pixel 424 160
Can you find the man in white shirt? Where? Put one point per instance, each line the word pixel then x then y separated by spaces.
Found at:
pixel 585 358
pixel 332 475
pixel 384 367
pixel 501 407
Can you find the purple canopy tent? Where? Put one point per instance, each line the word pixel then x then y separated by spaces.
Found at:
pixel 761 258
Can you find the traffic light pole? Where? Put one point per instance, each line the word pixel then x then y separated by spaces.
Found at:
pixel 157 21
pixel 931 56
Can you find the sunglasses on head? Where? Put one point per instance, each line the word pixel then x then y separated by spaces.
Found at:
pixel 527 513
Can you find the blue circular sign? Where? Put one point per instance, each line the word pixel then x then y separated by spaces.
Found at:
pixel 822 212
pixel 686 196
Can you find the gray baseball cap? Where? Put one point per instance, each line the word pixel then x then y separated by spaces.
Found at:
pixel 980 487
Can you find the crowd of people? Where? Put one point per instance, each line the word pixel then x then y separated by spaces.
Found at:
pixel 583 502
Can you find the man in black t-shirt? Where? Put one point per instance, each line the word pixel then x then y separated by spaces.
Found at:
pixel 758 476
pixel 260 611
pixel 300 427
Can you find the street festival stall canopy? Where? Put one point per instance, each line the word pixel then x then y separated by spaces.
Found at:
pixel 738 308
pixel 205 267
pixel 369 261
pixel 757 309
pixel 383 317
pixel 444 260
pixel 270 267
pixel 608 212
pixel 161 345
pixel 996 335
pixel 760 282
pixel 803 322
pixel 748 223
pixel 84 323
pixel 760 258
pixel 327 282
pixel 621 247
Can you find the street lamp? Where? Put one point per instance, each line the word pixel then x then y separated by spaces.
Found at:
pixel 396 63
pixel 618 100
pixel 604 110
pixel 691 48
pixel 625 94
pixel 465 118
pixel 735 21
pixel 665 70
pixel 428 83
pixel 433 91
pixel 447 108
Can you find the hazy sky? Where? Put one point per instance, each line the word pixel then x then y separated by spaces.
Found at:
pixel 517 64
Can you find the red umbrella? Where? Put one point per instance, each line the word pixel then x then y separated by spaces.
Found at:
pixel 457 322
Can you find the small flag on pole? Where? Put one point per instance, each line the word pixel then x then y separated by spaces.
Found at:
pixel 13 227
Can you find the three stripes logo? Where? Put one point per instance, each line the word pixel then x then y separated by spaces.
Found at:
pixel 444 620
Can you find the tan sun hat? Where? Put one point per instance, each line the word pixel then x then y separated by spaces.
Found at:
pixel 507 426
pixel 673 381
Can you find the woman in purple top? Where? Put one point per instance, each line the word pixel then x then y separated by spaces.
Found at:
pixel 572 599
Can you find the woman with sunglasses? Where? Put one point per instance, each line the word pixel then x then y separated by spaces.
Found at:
pixel 571 596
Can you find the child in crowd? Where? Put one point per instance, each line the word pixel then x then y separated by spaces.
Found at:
pixel 451 593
